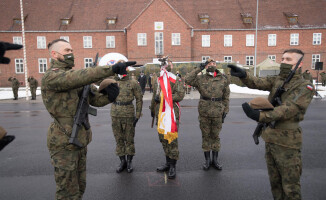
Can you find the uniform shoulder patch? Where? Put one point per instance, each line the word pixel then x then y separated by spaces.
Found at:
pixel 310 87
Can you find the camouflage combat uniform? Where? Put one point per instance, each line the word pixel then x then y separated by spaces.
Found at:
pixel 33 83
pixel 323 78
pixel 61 87
pixel 214 101
pixel 123 115
pixel 307 76
pixel 171 150
pixel 15 85
pixel 283 143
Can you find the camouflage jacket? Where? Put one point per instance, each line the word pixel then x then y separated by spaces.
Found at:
pixel 129 90
pixel 178 94
pixel 210 87
pixel 32 82
pixel 295 101
pixel 307 76
pixel 15 83
pixel 60 89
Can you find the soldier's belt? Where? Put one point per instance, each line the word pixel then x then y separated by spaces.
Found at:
pixel 120 103
pixel 211 99
pixel 287 125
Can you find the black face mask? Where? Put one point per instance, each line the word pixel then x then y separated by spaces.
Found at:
pixel 210 69
pixel 69 59
pixel 285 70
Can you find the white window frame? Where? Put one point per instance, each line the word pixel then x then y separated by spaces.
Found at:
pixel 65 38
pixel 228 40
pixel 176 39
pixel 205 58
pixel 205 40
pixel 142 39
pixel 88 62
pixel 19 65
pixel 159 43
pixel 316 39
pixel 41 42
pixel 87 41
pixel 17 40
pixel 250 40
pixel 250 60
pixel 272 57
pixel 42 65
pixel 294 39
pixel 110 42
pixel 227 59
pixel 272 40
pixel 314 58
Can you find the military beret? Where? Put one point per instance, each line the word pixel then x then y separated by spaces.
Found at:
pixel 105 83
pixel 3 132
pixel 261 103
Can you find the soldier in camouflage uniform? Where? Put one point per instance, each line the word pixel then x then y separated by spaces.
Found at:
pixel 212 107
pixel 61 87
pixel 323 78
pixel 33 83
pixel 15 86
pixel 282 143
pixel 306 75
pixel 124 119
pixel 171 150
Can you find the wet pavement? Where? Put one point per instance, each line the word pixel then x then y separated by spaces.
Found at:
pixel 26 172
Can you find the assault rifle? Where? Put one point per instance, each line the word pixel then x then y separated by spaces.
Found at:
pixel 83 109
pixel 275 101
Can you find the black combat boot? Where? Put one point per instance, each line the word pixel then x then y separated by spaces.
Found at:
pixel 165 167
pixel 207 162
pixel 172 170
pixel 123 164
pixel 129 163
pixel 215 163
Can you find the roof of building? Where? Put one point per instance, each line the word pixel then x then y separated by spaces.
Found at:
pixel 88 15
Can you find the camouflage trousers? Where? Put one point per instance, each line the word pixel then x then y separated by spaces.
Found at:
pixel 171 150
pixel 124 133
pixel 15 91
pixel 210 128
pixel 70 173
pixel 33 92
pixel 284 170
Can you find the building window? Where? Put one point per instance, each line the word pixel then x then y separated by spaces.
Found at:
pixel 272 57
pixel 271 40
pixel 294 39
pixel 41 42
pixel 176 39
pixel 316 39
pixel 158 26
pixel 19 65
pixel 110 41
pixel 159 50
pixel 42 65
pixel 87 41
pixel 250 40
pixel 65 38
pixel 88 62
pixel 249 60
pixel 227 59
pixel 142 39
pixel 205 41
pixel 17 40
pixel 204 58
pixel 228 40
pixel 315 58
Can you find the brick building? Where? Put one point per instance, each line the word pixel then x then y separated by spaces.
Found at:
pixel 142 30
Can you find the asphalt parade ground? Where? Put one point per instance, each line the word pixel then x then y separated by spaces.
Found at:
pixel 26 172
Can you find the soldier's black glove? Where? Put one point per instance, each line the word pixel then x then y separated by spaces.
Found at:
pixel 237 71
pixel 6 140
pixel 4 46
pixel 152 114
pixel 157 99
pixel 202 66
pixel 121 68
pixel 251 113
pixel 223 116
pixel 135 122
pixel 112 91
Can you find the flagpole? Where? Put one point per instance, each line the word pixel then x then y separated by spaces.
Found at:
pixel 24 47
pixel 256 40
